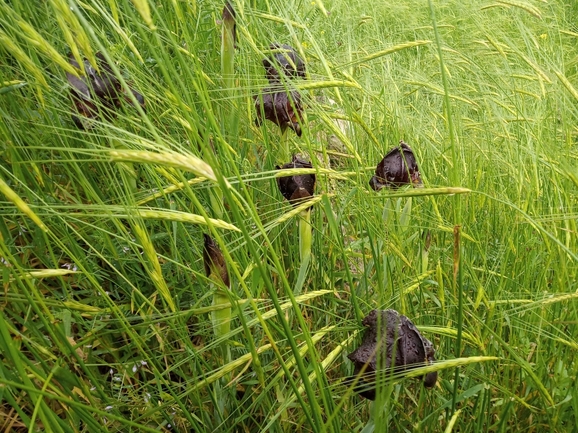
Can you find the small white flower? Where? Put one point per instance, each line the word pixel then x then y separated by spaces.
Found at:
pixel 147 397
pixel 108 408
pixel 139 364
pixel 70 266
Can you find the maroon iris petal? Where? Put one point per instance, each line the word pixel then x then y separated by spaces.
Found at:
pixel 229 15
pixel 283 61
pixel 397 168
pixel 96 92
pixel 391 342
pixel 296 188
pixel 282 108
pixel 214 260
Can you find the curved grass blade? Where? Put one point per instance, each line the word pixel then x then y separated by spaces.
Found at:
pixel 385 52
pixel 10 86
pixel 20 204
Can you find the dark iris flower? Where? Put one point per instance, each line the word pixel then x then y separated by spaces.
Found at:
pixel 96 89
pixel 88 112
pixel 397 168
pixel 139 98
pixel 284 60
pixel 229 15
pixel 214 261
pixel 103 86
pixel 391 342
pixel 296 188
pixel 277 104
pixel 282 108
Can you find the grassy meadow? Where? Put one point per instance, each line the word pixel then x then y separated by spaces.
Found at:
pixel 108 319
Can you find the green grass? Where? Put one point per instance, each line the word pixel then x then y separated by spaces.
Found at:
pixel 106 310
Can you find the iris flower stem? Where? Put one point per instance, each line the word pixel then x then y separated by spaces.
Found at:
pixel 305 235
pixel 219 283
pixel 228 76
pixel 285 152
pixel 221 321
pixel 221 318
pixel 228 65
pixel 228 48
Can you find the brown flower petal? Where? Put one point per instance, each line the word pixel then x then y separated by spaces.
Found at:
pixel 96 87
pixel 214 261
pixel 392 340
pixel 88 113
pixel 296 188
pixel 397 168
pixel 104 85
pixel 139 98
pixel 430 379
pixel 280 108
pixel 78 85
pixel 284 60
pixel 229 16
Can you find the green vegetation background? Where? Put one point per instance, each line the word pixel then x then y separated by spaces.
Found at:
pixel 105 322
